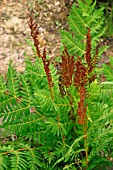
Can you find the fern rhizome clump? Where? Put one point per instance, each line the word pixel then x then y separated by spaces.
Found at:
pixel 61 120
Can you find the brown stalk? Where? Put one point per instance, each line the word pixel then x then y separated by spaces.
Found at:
pixel 91 62
pixel 81 108
pixel 80 81
pixel 34 33
pixel 67 67
pixel 48 72
pixel 88 48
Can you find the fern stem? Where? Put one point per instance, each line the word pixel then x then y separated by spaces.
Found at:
pixel 85 128
pixel 51 92
pixel 18 150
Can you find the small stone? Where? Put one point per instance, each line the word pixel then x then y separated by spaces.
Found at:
pixel 20 60
pixel 57 3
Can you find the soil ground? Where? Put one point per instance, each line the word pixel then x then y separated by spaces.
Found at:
pixel 51 16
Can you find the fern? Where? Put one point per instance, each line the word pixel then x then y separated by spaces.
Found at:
pixel 23 157
pixel 107 86
pixel 61 120
pixel 83 16
pixel 3 163
pixel 108 72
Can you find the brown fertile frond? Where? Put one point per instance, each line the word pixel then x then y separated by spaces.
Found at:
pixel 61 88
pixel 80 77
pixel 34 33
pixel 80 81
pixel 95 59
pixel 90 61
pixel 67 68
pixel 81 108
pixel 91 79
pixel 47 69
pixel 88 48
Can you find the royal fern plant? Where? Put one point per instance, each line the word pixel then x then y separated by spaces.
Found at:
pixel 60 120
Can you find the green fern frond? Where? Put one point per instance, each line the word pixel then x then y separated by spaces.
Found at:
pixel 33 159
pixel 25 91
pixel 56 127
pixel 83 16
pixel 61 148
pixel 108 71
pixel 70 151
pixel 2 87
pixel 35 71
pixel 111 60
pixel 19 157
pixel 3 163
pixel 12 82
pixel 29 42
pixel 55 78
pixel 77 20
pixel 18 161
pixel 74 46
pixel 102 49
pixel 96 38
pixel 43 98
pixel 96 16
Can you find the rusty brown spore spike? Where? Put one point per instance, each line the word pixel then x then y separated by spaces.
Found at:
pixel 67 68
pixel 34 33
